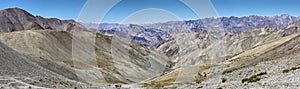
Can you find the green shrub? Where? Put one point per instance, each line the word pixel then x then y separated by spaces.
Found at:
pixel 291 69
pixel 286 71
pixel 262 73
pixel 250 80
pixel 253 78
pixel 224 80
pixel 227 71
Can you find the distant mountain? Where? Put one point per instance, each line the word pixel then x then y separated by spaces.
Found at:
pixel 151 34
pixel 16 19
pixel 102 26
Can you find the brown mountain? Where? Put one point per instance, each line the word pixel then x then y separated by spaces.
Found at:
pixel 16 19
pixel 65 49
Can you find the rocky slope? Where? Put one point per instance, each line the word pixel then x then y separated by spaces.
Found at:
pixel 55 51
pixel 20 71
pixel 262 58
pixel 73 56
pixel 273 64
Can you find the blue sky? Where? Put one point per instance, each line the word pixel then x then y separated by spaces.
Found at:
pixel 63 9
pixel 70 9
pixel 257 7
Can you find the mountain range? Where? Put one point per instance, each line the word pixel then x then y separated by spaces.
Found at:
pixel 226 52
pixel 152 34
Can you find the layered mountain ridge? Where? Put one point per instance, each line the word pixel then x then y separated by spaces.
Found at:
pixel 228 52
pixel 153 34
pixel 253 59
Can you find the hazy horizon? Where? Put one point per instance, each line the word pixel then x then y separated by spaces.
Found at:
pixel 158 22
pixel 140 9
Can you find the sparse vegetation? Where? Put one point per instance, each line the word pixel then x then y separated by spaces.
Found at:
pixel 250 80
pixel 105 64
pixel 224 80
pixel 291 69
pixel 159 84
pixel 200 77
pixel 227 71
pixel 254 78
